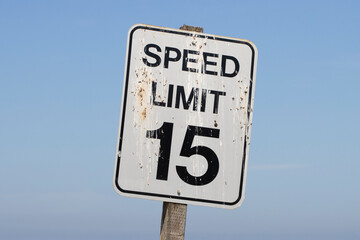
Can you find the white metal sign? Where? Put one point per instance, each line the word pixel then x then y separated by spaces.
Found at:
pixel 186 117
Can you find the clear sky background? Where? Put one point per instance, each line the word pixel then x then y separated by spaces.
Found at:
pixel 61 75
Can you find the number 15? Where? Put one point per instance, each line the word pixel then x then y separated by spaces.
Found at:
pixel 164 133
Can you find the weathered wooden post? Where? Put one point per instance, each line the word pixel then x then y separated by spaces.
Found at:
pixel 173 221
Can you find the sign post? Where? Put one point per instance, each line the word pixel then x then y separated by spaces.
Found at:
pixel 186 119
pixel 173 219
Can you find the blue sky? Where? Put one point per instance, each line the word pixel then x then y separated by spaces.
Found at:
pixel 61 73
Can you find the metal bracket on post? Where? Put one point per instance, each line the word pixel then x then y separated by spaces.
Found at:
pixel 173 219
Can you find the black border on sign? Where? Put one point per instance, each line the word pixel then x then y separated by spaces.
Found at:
pixel 124 110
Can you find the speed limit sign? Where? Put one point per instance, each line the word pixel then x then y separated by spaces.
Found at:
pixel 186 117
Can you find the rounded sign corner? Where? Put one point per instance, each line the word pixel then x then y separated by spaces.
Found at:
pixel 252 46
pixel 117 187
pixel 135 27
pixel 237 203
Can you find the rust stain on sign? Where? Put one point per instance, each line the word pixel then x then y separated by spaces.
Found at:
pixel 142 91
pixel 215 123
pixel 143 114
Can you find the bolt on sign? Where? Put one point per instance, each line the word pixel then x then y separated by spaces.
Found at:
pixel 186 117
